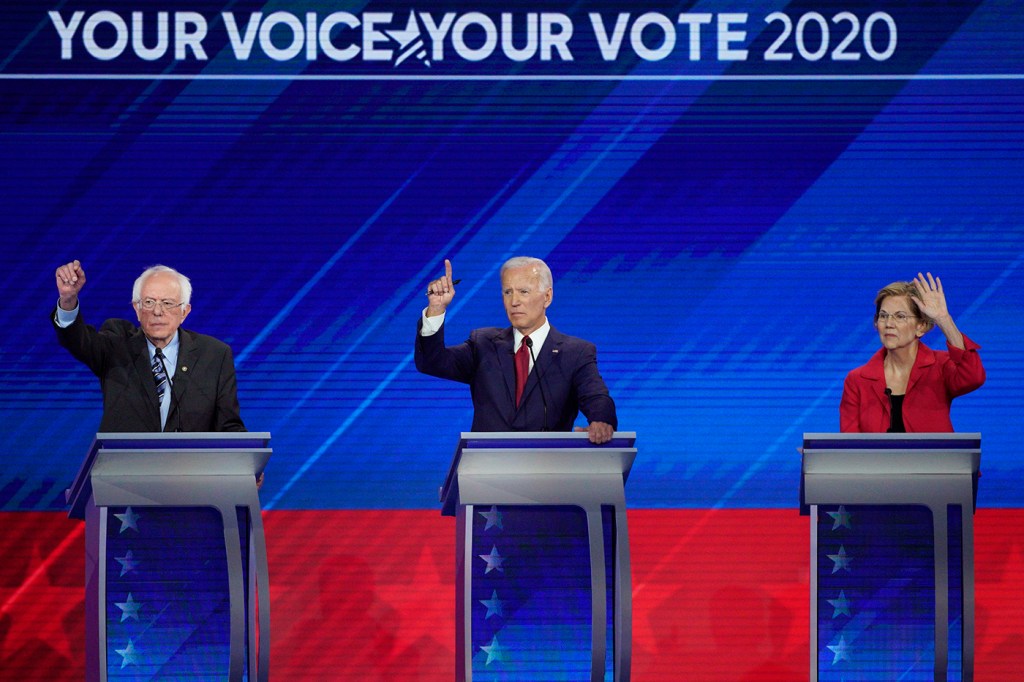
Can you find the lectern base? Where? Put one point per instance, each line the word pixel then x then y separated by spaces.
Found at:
pixel 876 593
pixel 533 602
pixel 165 601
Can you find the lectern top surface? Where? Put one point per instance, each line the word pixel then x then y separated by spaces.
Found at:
pixel 889 441
pixel 517 439
pixel 204 439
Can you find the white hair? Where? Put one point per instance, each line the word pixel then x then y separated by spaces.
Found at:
pixel 540 268
pixel 183 282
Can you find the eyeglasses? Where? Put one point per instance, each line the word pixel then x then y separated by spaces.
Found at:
pixel 153 304
pixel 899 317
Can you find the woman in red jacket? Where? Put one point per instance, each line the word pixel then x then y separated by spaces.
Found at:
pixel 906 386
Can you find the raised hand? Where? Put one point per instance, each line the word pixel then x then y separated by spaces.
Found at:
pixel 70 280
pixel 932 300
pixel 440 292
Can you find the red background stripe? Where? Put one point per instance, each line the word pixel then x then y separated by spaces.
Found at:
pixel 369 595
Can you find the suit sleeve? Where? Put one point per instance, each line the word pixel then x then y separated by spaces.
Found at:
pixel 964 373
pixel 596 403
pixel 445 362
pixel 87 345
pixel 228 415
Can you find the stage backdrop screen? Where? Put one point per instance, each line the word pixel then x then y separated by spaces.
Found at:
pixel 719 187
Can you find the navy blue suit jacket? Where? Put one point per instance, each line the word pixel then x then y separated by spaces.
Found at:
pixel 565 376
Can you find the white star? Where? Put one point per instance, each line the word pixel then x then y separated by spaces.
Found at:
pixel 128 654
pixel 841 651
pixel 494 560
pixel 128 562
pixel 493 518
pixel 129 609
pixel 128 520
pixel 494 651
pixel 493 605
pixel 408 34
pixel 841 560
pixel 411 41
pixel 841 605
pixel 841 518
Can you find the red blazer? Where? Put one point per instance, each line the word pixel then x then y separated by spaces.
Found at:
pixel 936 378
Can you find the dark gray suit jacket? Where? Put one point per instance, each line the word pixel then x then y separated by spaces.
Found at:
pixel 565 376
pixel 205 393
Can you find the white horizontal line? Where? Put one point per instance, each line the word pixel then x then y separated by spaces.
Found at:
pixel 511 77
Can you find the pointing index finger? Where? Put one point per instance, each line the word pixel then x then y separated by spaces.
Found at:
pixel 448 269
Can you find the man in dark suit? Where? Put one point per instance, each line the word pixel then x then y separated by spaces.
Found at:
pixel 509 392
pixel 155 377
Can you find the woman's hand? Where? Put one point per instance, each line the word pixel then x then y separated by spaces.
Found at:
pixel 931 299
pixel 932 303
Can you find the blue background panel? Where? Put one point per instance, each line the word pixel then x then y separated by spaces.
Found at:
pixel 718 228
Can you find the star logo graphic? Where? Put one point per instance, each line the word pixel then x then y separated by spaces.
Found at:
pixel 841 560
pixel 494 651
pixel 841 605
pixel 841 651
pixel 493 518
pixel 128 520
pixel 44 590
pixel 421 597
pixel 129 609
pixel 410 42
pixel 128 562
pixel 841 518
pixel 494 560
pixel 494 605
pixel 129 654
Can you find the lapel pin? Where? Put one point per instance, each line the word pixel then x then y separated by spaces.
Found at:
pixel 554 351
pixel 184 368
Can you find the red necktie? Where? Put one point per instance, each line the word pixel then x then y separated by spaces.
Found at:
pixel 522 368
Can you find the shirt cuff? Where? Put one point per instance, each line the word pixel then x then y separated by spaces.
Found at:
pixel 65 318
pixel 430 326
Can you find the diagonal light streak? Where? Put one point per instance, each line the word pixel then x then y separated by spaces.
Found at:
pixel 786 437
pixel 287 308
pixel 378 320
pixel 43 23
pixel 385 312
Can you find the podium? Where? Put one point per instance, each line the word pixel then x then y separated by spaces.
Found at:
pixel 543 585
pixel 176 564
pixel 892 555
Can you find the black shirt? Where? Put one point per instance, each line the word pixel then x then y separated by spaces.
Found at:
pixel 896 412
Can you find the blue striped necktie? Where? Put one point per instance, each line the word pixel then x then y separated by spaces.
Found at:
pixel 159 375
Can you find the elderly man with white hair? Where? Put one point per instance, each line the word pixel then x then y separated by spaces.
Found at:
pixel 157 376
pixel 526 377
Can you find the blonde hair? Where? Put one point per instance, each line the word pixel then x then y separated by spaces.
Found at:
pixel 908 290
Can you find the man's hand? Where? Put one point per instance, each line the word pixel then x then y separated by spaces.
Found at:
pixel 599 432
pixel 70 280
pixel 440 292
